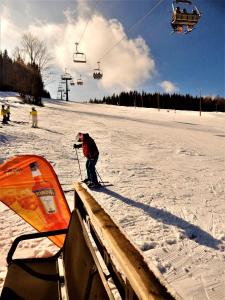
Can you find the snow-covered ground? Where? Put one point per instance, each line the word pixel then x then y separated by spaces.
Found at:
pixel 168 174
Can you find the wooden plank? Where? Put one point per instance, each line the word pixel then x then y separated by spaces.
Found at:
pixel 143 281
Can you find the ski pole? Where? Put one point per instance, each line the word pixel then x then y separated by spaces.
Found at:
pixel 99 176
pixel 79 165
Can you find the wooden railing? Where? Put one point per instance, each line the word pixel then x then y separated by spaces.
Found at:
pixel 130 273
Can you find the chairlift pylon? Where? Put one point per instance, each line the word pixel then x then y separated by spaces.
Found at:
pixel 183 20
pixel 79 57
pixel 97 74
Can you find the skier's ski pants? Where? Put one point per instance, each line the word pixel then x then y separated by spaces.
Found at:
pixel 90 167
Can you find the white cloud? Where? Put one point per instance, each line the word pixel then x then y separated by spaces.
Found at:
pixel 125 65
pixel 168 87
pixel 10 32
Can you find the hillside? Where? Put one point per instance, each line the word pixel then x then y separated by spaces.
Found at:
pixel 168 176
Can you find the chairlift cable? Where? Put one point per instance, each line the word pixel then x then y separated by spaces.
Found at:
pixel 129 29
pixel 82 35
pixel 132 27
pixel 84 72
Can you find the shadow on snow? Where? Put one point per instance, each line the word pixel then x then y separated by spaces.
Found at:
pixel 191 231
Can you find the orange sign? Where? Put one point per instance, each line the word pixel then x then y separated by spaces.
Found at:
pixel 30 187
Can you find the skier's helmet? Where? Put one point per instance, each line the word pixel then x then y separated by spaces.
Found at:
pixel 79 137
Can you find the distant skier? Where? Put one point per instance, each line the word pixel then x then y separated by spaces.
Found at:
pixel 4 115
pixel 90 151
pixel 8 112
pixel 33 114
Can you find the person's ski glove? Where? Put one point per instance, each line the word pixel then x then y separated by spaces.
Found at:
pixel 75 146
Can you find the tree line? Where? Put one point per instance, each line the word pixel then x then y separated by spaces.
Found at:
pixel 24 73
pixel 164 101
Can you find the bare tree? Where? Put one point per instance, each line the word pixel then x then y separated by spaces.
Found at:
pixel 18 54
pixel 36 52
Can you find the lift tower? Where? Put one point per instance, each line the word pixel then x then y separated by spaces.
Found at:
pixel 65 78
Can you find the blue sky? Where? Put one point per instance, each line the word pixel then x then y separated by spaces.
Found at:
pixel 147 58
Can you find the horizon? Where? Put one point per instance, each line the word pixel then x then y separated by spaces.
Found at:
pixel 136 52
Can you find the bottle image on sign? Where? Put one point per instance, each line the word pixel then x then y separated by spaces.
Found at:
pixel 48 202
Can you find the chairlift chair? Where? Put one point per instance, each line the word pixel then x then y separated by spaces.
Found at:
pixel 72 82
pixel 60 88
pixel 97 74
pixel 66 76
pixel 183 18
pixel 79 81
pixel 79 57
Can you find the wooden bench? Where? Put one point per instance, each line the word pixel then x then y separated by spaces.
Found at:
pixel 88 264
pixel 39 279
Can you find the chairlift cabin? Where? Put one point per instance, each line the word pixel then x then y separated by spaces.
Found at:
pixel 185 16
pixel 72 82
pixel 79 57
pixel 97 74
pixel 79 81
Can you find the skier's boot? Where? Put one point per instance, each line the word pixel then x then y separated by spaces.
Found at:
pixel 86 180
pixel 94 185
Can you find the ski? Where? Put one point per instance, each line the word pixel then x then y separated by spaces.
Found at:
pixel 20 122
pixel 101 186
pixel 70 190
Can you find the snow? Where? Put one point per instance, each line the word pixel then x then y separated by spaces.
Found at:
pixel 168 176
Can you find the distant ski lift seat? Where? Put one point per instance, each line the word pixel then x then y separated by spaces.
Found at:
pixel 66 76
pixel 97 74
pixel 79 81
pixel 79 57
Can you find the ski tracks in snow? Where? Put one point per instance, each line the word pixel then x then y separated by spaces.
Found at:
pixel 168 193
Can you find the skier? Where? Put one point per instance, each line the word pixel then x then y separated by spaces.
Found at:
pixel 91 152
pixel 8 112
pixel 4 115
pixel 33 114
